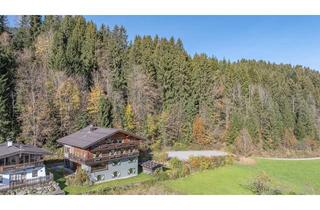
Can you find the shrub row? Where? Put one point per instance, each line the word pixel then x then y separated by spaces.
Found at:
pixel 204 163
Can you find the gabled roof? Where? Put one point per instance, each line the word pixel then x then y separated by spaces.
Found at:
pixel 17 148
pixel 90 135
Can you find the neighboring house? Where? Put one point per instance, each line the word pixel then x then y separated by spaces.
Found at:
pixel 104 153
pixel 21 165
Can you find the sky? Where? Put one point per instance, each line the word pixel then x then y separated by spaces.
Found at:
pixel 281 39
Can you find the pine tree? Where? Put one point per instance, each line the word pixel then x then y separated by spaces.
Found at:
pixel 3 23
pixel 7 92
pixel 35 26
pixel 88 56
pixel 51 23
pixel 74 48
pixel 22 38
pixel 4 117
pixel 105 113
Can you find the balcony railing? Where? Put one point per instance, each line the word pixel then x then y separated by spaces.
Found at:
pixel 27 182
pixel 19 166
pixel 110 157
pixel 101 159
pixel 115 146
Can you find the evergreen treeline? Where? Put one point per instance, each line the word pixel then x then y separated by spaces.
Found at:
pixel 59 74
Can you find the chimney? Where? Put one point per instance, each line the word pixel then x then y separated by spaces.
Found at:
pixel 9 143
pixel 92 128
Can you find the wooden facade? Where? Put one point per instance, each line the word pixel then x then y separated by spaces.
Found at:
pixel 20 161
pixel 115 147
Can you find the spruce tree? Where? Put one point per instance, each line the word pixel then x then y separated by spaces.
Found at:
pixel 35 26
pixel 3 23
pixel 105 113
pixel 74 48
pixel 4 116
pixel 22 38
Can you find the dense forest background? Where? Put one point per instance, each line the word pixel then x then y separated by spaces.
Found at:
pixel 59 74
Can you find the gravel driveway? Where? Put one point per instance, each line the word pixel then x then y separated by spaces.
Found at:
pixel 184 155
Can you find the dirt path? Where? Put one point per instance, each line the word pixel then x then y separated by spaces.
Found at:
pixel 185 155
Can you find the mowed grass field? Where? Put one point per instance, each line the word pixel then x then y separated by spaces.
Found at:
pixel 291 176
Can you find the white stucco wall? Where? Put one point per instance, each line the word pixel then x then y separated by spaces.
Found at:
pixel 122 168
pixel 41 173
pixel 5 179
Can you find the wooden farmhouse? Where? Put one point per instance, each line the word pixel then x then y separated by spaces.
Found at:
pixel 104 153
pixel 21 165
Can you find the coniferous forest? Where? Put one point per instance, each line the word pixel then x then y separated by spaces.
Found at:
pixel 60 74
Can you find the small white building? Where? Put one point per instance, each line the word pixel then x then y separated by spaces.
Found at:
pixel 21 165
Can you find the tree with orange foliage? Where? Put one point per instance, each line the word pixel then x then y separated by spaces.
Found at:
pixel 199 132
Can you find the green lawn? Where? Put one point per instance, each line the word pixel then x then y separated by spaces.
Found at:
pixel 74 190
pixel 300 177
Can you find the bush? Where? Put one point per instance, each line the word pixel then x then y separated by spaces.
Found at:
pixel 178 169
pixel 261 184
pixel 79 178
pixel 229 159
pixel 204 163
pixel 175 163
pixel 179 146
pixel 160 157
pixel 186 170
pixel 160 175
pixel 156 146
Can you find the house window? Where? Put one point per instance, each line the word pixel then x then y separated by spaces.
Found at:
pixel 98 167
pixel 115 174
pixel 100 177
pixel 131 160
pixel 114 163
pixel 35 173
pixel 131 171
pixel 1 179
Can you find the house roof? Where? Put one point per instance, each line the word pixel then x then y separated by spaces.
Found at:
pixel 90 135
pixel 17 148
pixel 151 165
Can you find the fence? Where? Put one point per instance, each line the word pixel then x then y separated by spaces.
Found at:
pixel 27 182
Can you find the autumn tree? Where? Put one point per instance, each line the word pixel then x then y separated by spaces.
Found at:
pixel 68 103
pixel 199 132
pixel 129 121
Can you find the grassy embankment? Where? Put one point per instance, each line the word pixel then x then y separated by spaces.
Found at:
pixel 299 177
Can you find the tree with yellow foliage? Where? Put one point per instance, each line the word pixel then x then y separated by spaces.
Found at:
pixel 129 123
pixel 94 97
pixel 68 102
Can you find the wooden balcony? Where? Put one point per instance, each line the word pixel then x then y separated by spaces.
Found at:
pixel 101 159
pixel 16 167
pixel 115 146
